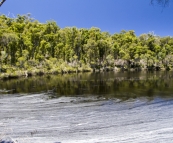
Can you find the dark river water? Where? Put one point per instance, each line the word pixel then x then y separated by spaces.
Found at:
pixel 125 107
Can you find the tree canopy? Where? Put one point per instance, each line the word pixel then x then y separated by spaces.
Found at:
pixel 27 44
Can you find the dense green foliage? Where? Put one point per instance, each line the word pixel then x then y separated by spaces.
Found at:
pixel 28 46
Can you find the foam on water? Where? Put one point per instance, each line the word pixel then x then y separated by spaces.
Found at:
pixel 35 118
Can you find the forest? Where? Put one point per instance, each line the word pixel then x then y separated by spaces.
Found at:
pixel 28 47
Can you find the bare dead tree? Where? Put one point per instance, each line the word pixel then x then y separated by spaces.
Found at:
pixel 163 3
pixel 2 2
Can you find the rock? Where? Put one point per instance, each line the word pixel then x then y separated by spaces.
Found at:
pixel 6 140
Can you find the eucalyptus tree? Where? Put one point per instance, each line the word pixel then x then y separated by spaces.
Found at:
pixel 26 43
pixel 51 36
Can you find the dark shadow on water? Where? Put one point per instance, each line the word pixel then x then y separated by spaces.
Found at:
pixel 106 85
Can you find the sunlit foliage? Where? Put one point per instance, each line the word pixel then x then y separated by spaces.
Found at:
pixel 28 45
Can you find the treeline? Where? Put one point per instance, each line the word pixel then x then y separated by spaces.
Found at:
pixel 34 47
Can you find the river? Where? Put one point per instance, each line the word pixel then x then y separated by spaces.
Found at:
pixel 127 107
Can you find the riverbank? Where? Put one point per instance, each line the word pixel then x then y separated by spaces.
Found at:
pixel 14 73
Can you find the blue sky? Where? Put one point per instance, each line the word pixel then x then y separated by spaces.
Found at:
pixel 108 15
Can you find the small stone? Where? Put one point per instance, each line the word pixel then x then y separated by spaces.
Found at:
pixel 6 140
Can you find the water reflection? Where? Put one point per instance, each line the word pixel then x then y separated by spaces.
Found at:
pixel 108 85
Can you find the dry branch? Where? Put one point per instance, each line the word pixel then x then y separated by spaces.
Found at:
pixel 2 2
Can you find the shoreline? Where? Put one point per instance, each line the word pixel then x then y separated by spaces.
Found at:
pixel 39 72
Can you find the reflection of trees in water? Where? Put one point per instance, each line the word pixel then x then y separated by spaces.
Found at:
pixel 106 85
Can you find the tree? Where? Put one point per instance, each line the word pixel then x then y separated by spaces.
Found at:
pixel 163 3
pixel 2 2
pixel 27 44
